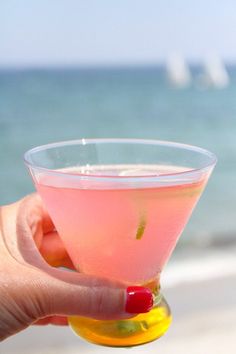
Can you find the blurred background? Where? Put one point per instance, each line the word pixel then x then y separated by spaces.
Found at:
pixel 153 69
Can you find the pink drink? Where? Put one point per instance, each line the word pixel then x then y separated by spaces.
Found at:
pixel 119 206
pixel 122 233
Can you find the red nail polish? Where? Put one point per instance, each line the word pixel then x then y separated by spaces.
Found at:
pixel 139 299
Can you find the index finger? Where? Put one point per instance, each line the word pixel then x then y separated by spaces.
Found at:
pixel 47 223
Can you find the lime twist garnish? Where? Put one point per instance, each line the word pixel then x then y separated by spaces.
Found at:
pixel 141 226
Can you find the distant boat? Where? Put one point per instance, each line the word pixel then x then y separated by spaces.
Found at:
pixel 178 73
pixel 214 73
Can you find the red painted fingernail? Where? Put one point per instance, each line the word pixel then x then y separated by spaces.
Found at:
pixel 139 299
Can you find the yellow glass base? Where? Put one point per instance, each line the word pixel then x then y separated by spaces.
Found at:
pixel 138 330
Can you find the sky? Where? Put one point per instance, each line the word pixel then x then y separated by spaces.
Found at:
pixel 101 32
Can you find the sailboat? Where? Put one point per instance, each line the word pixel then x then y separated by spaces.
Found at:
pixel 214 73
pixel 178 73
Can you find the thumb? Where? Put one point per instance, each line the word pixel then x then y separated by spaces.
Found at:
pixel 93 297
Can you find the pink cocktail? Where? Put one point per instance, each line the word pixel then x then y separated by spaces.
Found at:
pixel 120 206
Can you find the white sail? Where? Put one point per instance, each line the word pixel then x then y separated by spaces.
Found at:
pixel 178 72
pixel 215 73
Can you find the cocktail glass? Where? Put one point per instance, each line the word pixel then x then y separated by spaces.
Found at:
pixel 119 206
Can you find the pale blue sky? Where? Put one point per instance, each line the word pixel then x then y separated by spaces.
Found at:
pixel 78 32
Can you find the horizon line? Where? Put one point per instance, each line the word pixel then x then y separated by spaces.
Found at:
pixel 105 65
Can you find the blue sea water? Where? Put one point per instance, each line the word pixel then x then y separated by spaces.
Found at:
pixel 42 106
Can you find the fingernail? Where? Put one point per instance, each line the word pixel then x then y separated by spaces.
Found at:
pixel 139 299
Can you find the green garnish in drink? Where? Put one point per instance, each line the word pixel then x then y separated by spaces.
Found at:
pixel 128 327
pixel 141 226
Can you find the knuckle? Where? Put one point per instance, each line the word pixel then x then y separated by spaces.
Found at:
pixel 105 303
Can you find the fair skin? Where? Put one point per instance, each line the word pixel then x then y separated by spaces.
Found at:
pixel 32 289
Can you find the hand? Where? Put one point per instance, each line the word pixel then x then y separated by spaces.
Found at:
pixel 33 291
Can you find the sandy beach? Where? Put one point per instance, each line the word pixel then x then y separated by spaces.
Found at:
pixel 204 326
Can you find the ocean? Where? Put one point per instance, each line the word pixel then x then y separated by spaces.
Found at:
pixel 48 105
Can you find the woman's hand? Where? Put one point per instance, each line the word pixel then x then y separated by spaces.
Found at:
pixel 33 291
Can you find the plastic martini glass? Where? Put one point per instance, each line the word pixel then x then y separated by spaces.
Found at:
pixel 119 206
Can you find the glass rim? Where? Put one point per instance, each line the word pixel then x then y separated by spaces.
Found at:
pixel 164 143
